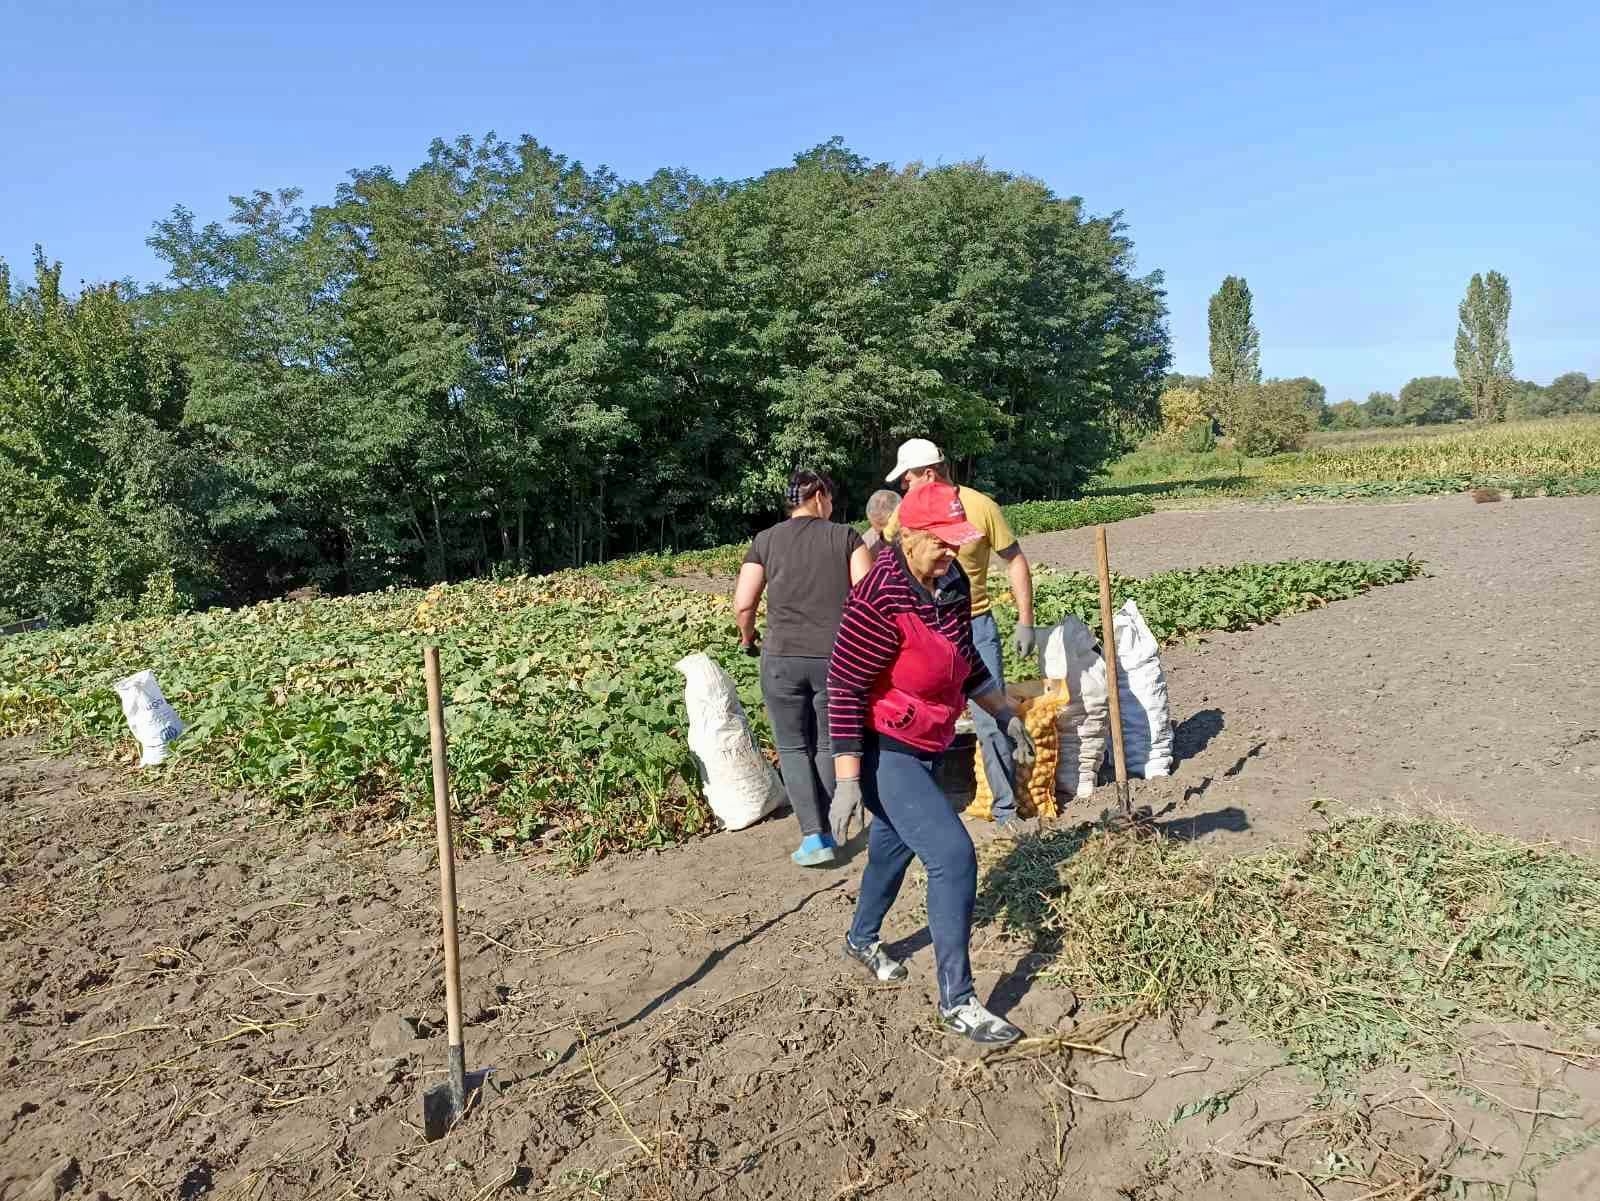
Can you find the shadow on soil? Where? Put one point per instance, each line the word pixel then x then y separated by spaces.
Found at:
pixel 717 957
pixel 1196 732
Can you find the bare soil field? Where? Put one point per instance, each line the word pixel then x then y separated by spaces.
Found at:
pixel 1474 691
pixel 204 1001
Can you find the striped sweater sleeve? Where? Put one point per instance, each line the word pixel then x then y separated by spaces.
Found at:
pixel 866 646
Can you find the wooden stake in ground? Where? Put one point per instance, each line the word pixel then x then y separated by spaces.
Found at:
pixel 444 1104
pixel 1108 638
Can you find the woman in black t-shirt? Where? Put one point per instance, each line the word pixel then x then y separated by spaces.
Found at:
pixel 806 566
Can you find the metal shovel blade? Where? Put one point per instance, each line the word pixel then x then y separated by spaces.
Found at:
pixel 444 1104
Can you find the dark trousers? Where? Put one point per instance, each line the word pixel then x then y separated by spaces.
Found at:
pixel 795 690
pixel 911 816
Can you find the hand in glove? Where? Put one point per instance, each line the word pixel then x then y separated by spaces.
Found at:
pixel 1027 641
pixel 753 649
pixel 1022 749
pixel 845 810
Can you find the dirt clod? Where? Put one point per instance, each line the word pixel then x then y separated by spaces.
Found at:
pixel 56 1181
pixel 392 1032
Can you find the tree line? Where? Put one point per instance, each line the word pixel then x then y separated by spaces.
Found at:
pixel 1264 417
pixel 502 361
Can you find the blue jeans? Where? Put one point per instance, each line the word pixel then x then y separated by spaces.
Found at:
pixel 912 816
pixel 998 767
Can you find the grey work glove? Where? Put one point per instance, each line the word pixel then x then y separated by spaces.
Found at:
pixel 1027 641
pixel 845 809
pixel 1022 749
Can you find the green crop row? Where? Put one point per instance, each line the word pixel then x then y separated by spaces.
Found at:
pixel 1050 516
pixel 1517 486
pixel 1178 604
pixel 1545 457
pixel 565 712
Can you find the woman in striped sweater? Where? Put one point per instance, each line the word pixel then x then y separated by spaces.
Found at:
pixel 902 670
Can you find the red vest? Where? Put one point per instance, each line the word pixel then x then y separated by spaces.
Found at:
pixel 918 700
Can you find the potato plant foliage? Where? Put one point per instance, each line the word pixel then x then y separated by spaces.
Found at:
pixel 565 713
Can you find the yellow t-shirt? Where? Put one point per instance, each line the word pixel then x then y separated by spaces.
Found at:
pixel 974 556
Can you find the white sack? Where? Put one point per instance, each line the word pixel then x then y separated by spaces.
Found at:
pixel 1142 693
pixel 152 719
pixel 740 784
pixel 1068 652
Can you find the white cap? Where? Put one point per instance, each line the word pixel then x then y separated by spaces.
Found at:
pixel 918 452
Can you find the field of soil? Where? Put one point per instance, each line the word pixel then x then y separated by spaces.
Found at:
pixel 1474 691
pixel 204 1001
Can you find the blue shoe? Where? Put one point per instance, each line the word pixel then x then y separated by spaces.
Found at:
pixel 816 850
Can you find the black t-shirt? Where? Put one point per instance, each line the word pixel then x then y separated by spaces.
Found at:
pixel 808 577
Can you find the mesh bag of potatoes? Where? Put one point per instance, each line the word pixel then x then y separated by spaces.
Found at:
pixel 1038 705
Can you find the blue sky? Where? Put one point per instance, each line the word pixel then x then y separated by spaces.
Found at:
pixel 1355 162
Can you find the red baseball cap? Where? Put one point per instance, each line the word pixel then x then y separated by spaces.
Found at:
pixel 937 509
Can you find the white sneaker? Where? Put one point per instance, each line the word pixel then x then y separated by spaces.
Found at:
pixel 972 1020
pixel 885 967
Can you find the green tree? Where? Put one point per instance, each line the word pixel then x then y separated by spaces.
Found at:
pixel 98 483
pixel 1433 400
pixel 503 361
pixel 1483 347
pixel 1314 395
pixel 1382 409
pixel 1568 393
pixel 1528 399
pixel 1176 379
pixel 484 305
pixel 257 310
pixel 1347 415
pixel 1272 418
pixel 1235 349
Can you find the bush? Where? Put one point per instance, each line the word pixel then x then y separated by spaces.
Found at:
pixel 1199 438
pixel 1181 408
pixel 1272 418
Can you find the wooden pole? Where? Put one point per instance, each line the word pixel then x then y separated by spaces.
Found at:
pixel 1108 639
pixel 447 880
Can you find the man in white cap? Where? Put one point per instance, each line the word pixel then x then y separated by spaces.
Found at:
pixel 919 461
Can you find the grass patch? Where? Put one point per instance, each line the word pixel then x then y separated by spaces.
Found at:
pixel 1371 944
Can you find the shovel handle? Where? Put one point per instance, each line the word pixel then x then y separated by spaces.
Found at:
pixel 1108 638
pixel 447 867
